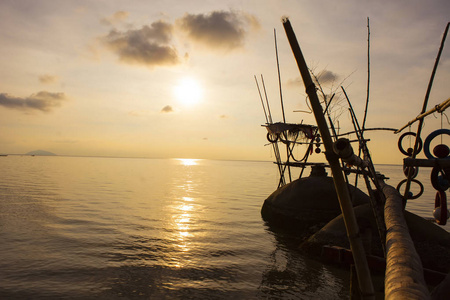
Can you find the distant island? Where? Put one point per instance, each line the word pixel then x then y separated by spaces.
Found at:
pixel 40 153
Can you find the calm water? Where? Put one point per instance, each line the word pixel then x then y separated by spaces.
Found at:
pixel 113 228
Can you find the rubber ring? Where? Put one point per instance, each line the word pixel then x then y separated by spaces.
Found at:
pixel 415 171
pixel 430 137
pixel 441 202
pixel 400 147
pixel 412 197
pixel 434 177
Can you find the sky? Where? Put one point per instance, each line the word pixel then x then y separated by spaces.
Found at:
pixel 175 79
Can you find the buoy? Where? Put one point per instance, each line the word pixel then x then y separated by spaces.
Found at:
pixel 441 151
pixel 440 212
pixel 439 180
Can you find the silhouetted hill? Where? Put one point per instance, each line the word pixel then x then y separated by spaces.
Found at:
pixel 40 153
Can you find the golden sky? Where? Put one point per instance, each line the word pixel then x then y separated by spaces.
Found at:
pixel 175 78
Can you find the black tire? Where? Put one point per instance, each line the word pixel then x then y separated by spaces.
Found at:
pixel 400 146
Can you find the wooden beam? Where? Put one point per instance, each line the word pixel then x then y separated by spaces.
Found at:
pixel 417 162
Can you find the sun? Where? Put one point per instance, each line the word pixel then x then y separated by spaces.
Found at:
pixel 188 91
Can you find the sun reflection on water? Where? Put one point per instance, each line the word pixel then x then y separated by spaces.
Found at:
pixel 185 211
pixel 182 220
pixel 188 161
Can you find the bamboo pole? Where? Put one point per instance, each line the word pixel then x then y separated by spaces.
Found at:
pixel 375 201
pixel 282 105
pixel 276 151
pixel 366 129
pixel 368 75
pixel 364 277
pixel 279 75
pixel 404 273
pixel 439 108
pixel 424 108
pixel 262 102
pixel 344 150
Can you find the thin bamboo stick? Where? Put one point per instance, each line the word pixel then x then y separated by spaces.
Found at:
pixel 368 75
pixel 267 99
pixel 262 102
pixel 279 75
pixel 276 151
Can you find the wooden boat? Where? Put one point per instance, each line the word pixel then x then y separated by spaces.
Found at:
pixel 398 233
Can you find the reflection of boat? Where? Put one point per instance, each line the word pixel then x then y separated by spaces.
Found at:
pixel 381 221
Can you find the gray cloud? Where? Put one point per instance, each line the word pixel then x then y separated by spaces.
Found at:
pixel 43 101
pixel 167 109
pixel 218 29
pixel 326 76
pixel 47 79
pixel 148 45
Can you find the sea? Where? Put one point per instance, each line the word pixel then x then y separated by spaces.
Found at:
pixel 136 228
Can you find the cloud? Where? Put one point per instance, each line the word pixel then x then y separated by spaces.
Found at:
pixel 167 109
pixel 294 82
pixel 218 29
pixel 43 101
pixel 47 79
pixel 326 76
pixel 147 46
pixel 116 18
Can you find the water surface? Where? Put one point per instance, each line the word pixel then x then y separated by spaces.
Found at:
pixel 122 228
